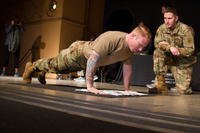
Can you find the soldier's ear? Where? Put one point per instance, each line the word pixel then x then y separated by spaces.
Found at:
pixel 132 35
pixel 177 18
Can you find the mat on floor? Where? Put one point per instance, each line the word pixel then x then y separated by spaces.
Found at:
pixel 116 92
pixel 107 92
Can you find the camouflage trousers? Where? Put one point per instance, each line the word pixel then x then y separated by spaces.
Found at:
pixel 68 60
pixel 182 75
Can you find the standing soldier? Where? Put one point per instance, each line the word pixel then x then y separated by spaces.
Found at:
pixel 174 43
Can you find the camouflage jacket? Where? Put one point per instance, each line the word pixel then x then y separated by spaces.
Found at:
pixel 181 37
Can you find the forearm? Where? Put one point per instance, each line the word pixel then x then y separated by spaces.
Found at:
pixel 186 52
pixel 160 41
pixel 127 74
pixel 91 67
pixel 164 46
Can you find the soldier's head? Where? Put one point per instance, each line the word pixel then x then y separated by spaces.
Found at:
pixel 139 38
pixel 170 17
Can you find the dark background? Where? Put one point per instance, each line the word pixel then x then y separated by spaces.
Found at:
pixel 123 15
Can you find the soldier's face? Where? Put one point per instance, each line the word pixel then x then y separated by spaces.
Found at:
pixel 137 43
pixel 170 20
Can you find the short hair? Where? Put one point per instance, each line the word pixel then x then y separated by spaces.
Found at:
pixel 172 10
pixel 143 30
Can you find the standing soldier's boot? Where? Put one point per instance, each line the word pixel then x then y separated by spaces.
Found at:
pixel 161 86
pixel 27 75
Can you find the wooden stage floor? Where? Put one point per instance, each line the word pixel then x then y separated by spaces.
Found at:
pixel 154 113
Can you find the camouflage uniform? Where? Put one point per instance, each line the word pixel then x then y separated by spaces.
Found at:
pixel 111 47
pixel 181 37
pixel 68 60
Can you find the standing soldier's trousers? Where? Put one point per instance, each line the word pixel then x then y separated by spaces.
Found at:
pixel 182 75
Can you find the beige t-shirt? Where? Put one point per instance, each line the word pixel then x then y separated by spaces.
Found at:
pixel 111 47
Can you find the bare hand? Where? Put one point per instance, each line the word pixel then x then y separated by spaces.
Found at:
pixel 127 92
pixel 95 91
pixel 174 51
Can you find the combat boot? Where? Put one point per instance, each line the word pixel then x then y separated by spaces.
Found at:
pixel 27 75
pixel 161 86
pixel 41 77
